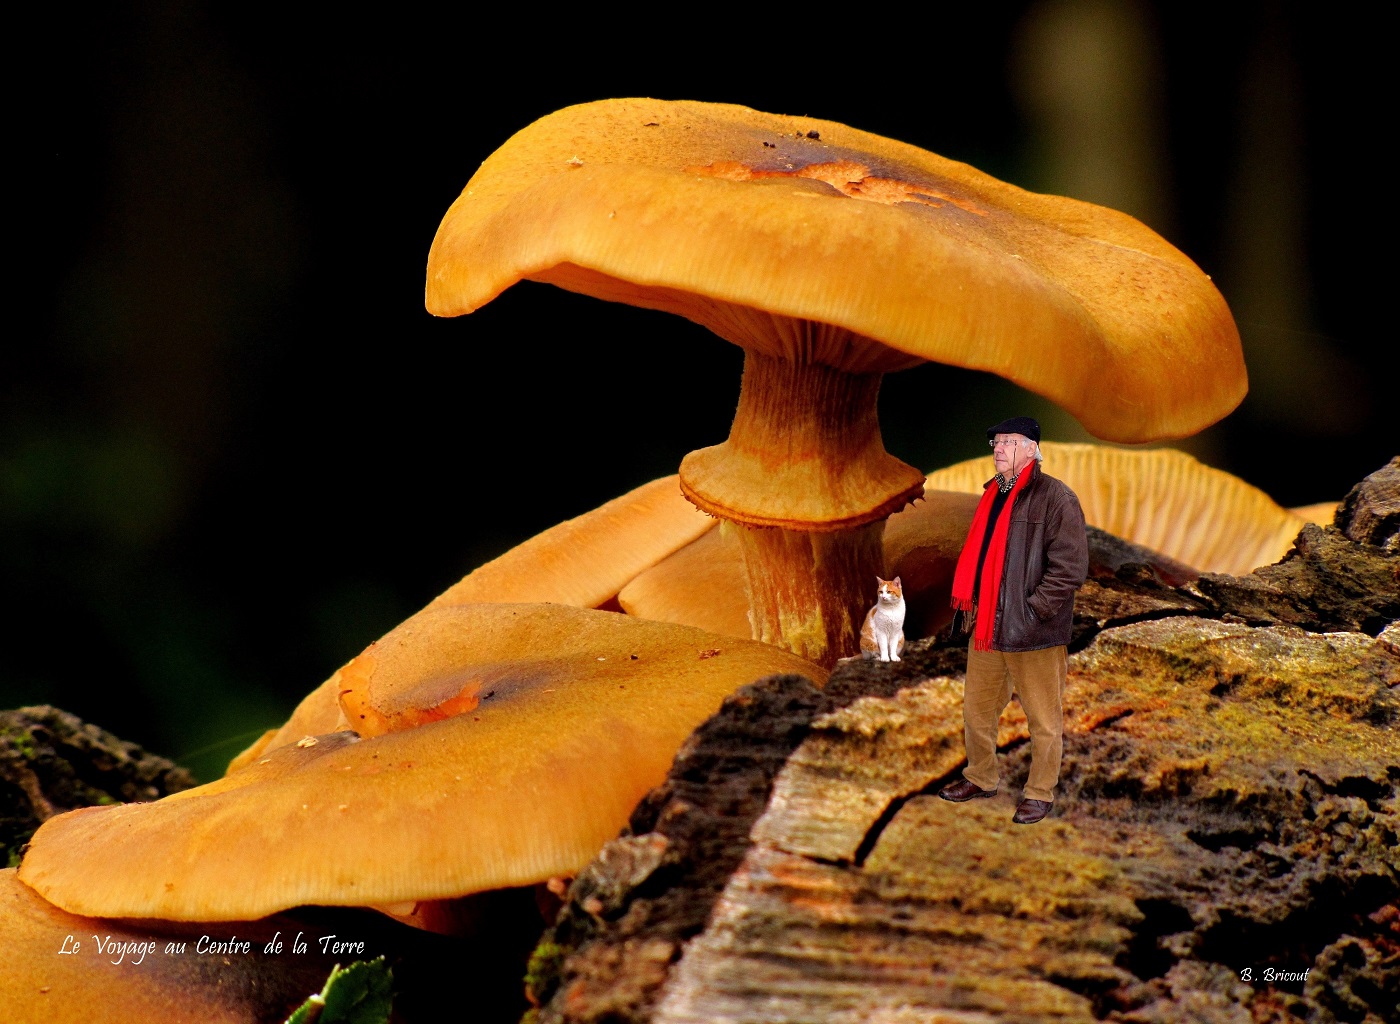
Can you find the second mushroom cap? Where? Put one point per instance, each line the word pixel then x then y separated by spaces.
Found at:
pixel 564 718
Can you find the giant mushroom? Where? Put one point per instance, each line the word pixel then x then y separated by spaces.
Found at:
pixel 833 256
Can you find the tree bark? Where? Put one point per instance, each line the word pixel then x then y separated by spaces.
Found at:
pixel 1222 846
pixel 52 761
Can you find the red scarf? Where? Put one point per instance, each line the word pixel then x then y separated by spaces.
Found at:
pixel 966 573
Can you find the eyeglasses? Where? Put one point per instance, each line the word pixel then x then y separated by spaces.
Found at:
pixel 1011 441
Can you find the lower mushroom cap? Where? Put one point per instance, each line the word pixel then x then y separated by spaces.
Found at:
pixel 581 562
pixel 1162 499
pixel 39 983
pixel 581 713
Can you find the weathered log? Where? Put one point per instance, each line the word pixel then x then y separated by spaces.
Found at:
pixel 1223 846
pixel 1341 577
pixel 52 761
pixel 1370 513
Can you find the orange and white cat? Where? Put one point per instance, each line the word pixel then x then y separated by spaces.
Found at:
pixel 882 636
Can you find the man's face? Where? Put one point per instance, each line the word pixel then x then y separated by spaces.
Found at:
pixel 1010 452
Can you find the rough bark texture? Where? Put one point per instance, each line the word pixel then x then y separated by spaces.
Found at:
pixel 1370 513
pixel 1109 554
pixel 1342 577
pixel 1228 803
pixel 52 761
pixel 1326 583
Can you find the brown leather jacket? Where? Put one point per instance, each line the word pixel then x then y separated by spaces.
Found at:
pixel 1047 560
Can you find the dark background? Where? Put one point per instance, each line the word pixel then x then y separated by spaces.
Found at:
pixel 234 448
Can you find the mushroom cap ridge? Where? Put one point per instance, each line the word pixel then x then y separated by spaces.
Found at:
pixel 849 249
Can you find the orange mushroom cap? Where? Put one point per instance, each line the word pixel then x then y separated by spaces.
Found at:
pixel 564 718
pixel 806 239
pixel 133 977
pixel 581 562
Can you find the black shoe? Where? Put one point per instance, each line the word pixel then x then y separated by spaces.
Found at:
pixel 964 790
pixel 1030 811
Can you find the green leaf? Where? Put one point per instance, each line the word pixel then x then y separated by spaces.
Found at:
pixel 360 994
pixel 308 1012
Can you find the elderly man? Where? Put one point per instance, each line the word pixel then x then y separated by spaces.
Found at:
pixel 1025 556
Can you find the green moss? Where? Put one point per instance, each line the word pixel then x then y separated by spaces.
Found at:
pixel 22 741
pixel 542 972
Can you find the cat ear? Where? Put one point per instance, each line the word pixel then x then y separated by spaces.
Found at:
pixel 896 582
pixel 879 582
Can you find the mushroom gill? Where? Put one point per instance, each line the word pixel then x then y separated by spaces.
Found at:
pixel 1162 499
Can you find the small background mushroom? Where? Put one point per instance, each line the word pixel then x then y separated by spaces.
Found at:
pixel 1162 499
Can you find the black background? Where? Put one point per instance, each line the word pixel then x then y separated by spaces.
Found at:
pixel 234 448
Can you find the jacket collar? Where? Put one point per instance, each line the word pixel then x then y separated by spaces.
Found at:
pixel 1032 467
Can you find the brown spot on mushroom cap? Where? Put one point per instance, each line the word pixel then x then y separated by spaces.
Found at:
pixel 848 178
pixel 581 562
pixel 38 983
pixel 527 786
pixel 1162 499
pixel 1081 304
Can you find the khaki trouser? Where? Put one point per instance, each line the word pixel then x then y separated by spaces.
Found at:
pixel 1038 679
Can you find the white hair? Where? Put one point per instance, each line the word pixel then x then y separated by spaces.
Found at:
pixel 1036 453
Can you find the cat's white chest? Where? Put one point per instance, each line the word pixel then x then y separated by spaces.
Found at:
pixel 888 617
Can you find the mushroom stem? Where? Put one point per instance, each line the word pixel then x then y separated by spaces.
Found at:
pixel 808 591
pixel 804 453
pixel 806 477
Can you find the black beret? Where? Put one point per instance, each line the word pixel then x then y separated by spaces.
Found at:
pixel 1016 425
